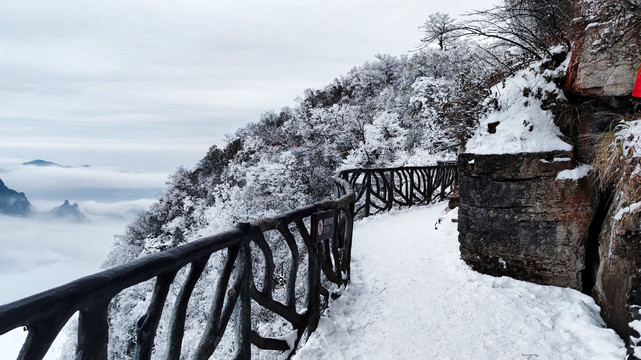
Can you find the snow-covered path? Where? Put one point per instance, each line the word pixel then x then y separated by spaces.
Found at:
pixel 411 297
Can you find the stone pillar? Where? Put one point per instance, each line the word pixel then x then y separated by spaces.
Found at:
pixel 516 219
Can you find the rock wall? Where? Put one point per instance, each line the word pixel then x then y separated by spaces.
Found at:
pixel 597 73
pixel 516 219
pixel 618 283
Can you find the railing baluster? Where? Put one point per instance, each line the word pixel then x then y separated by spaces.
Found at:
pixel 177 328
pixel 243 311
pixel 293 270
pixel 147 325
pixel 424 187
pixel 313 278
pixel 406 188
pixel 43 333
pixel 411 190
pixel 93 332
pixel 443 182
pixel 368 186
pixel 390 189
pixel 328 266
pixel 213 334
pixel 430 188
pixel 268 276
pixel 347 243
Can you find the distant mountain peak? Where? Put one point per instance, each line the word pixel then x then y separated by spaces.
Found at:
pixel 39 162
pixel 13 202
pixel 68 211
pixel 44 163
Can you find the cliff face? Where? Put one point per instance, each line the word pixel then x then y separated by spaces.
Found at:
pixel 597 73
pixel 517 219
pixel 618 285
pixel 13 202
pixel 521 215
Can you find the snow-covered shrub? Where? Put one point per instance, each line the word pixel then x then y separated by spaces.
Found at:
pixel 617 161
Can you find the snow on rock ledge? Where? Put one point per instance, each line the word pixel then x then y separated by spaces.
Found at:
pixel 577 173
pixel 519 124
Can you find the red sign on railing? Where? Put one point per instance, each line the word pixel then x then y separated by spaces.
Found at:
pixel 322 225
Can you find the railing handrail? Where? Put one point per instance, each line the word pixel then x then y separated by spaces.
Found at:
pixel 440 164
pixel 12 315
pixel 44 314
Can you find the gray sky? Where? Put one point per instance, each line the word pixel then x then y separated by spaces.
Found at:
pixel 150 85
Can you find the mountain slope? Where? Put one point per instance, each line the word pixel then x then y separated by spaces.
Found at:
pixel 13 202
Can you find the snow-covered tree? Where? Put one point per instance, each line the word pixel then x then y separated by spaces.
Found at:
pixel 440 28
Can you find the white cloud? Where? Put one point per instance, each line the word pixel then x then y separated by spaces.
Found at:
pixel 121 209
pixel 45 182
pixel 38 255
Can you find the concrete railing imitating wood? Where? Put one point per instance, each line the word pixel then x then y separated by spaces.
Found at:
pixel 45 314
pixel 380 190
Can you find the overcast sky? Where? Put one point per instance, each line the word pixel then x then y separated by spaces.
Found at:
pixel 150 84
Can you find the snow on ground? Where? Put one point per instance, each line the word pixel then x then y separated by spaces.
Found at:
pixel 411 297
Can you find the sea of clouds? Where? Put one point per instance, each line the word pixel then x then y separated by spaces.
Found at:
pixel 40 252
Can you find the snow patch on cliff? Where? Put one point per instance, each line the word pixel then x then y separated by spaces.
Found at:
pixel 519 124
pixel 581 171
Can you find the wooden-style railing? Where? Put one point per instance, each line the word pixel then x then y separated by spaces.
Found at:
pixel 380 190
pixel 328 267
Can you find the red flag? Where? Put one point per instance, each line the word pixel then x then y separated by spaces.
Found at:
pixel 637 86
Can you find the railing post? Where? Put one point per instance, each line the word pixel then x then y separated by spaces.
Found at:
pixel 314 285
pixel 390 190
pixel 368 197
pixel 410 194
pixel 243 310
pixel 443 181
pixel 93 332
